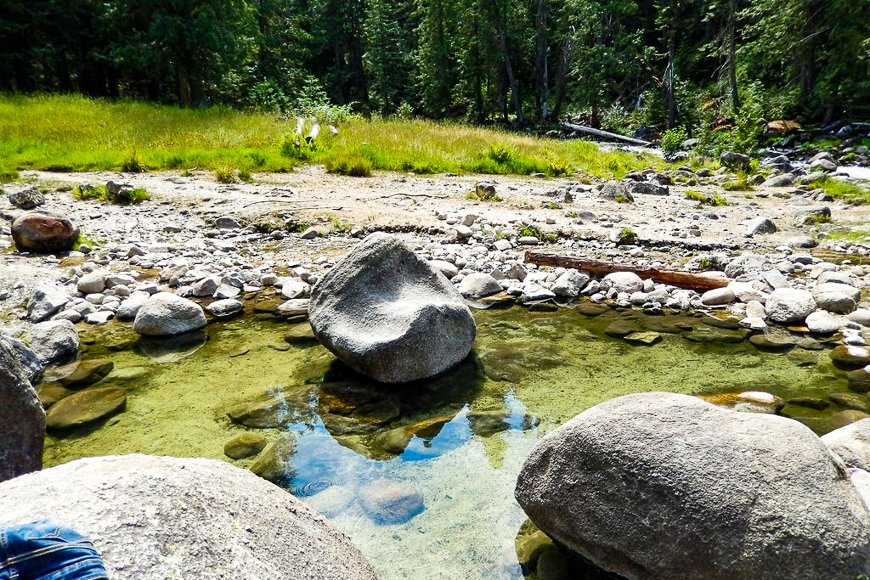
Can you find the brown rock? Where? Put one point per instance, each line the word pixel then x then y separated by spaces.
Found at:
pixel 88 372
pixel 85 407
pixel 43 233
pixel 51 393
pixel 859 380
pixel 22 419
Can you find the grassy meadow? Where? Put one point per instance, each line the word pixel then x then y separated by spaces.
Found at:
pixel 74 133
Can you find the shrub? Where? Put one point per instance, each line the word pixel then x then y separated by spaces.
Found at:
pixel 132 164
pixel 295 147
pixel 672 140
pixel 714 200
pixel 352 164
pixel 740 184
pixel 627 236
pixel 224 175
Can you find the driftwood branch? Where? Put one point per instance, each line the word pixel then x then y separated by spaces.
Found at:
pixel 679 278
pixel 604 134
pixel 414 195
pixel 300 123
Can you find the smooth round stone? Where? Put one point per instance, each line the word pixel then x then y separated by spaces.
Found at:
pixel 718 297
pixel 85 407
pixel 128 374
pixel 165 314
pixel 274 462
pixel 87 372
pixel 643 338
pixel 244 445
pixel 821 322
pixel 850 357
pixel 332 501
pixel 859 380
pixel 390 502
pixel 91 283
pixel 789 305
pixel 224 308
pixel 45 234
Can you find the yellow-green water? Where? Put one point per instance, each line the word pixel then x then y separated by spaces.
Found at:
pixel 534 369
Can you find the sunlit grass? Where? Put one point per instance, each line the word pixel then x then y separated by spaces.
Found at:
pixel 842 190
pixel 73 133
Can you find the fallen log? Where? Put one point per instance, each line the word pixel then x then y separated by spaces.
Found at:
pixel 688 280
pixel 300 124
pixel 604 134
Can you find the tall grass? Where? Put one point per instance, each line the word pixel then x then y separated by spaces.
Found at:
pixel 73 133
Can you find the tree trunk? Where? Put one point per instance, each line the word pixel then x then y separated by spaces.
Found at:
pixel 732 54
pixel 689 280
pixel 184 97
pixel 542 76
pixel 509 69
pixel 669 78
pixel 562 73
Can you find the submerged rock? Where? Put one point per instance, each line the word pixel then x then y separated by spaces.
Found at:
pixel 274 462
pixel 244 445
pixel 615 481
pixel 85 408
pixel 388 314
pixel 22 420
pixel 162 517
pixel 390 502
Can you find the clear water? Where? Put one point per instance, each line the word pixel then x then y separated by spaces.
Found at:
pixel 532 371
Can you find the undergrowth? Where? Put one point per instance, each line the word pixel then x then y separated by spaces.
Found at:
pixel 843 190
pixel 715 200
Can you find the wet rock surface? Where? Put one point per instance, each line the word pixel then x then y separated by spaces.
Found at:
pixel 43 233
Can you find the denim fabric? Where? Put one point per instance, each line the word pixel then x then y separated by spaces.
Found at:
pixel 45 550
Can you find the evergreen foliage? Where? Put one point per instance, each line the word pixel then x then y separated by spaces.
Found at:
pixel 667 63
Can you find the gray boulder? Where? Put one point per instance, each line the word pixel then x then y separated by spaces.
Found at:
pixel 659 485
pixel 29 361
pixel 388 314
pixel 27 198
pixel 616 191
pixel 166 314
pixel 851 444
pixel 760 225
pixel 789 305
pixel 55 341
pixel 628 282
pixel 162 517
pixel 835 297
pixel 45 300
pixel 648 188
pixel 92 282
pixel 734 160
pixel 22 419
pixel 224 308
pixel 746 266
pixel 478 285
pixel 129 308
pixel 570 283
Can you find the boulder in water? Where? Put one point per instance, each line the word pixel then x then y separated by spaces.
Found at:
pixel 659 485
pixel 389 314
pixel 167 314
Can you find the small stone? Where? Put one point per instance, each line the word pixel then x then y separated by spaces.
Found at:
pixel 478 286
pixel 224 308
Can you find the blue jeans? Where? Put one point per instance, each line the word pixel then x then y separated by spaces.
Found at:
pixel 45 550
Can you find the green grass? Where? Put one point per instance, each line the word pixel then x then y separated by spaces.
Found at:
pixel 715 200
pixel 100 193
pixel 740 184
pixel 842 190
pixel 74 133
pixel 627 236
pixel 851 235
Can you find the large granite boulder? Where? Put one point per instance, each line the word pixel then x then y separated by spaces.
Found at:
pixel 167 314
pixel 29 360
pixel 54 341
pixel 44 233
pixel 22 420
pixel 851 444
pixel 789 305
pixel 389 314
pixel 162 517
pixel 659 485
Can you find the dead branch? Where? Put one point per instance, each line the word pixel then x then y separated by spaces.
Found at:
pixel 689 280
